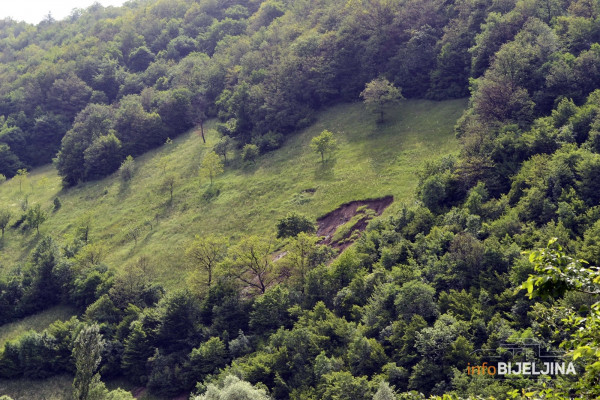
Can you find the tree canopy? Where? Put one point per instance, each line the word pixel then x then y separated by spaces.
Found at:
pixel 380 93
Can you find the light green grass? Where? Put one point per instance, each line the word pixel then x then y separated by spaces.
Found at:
pixel 372 161
pixel 37 322
pixel 55 388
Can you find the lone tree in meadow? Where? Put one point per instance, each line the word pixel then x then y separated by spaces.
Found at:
pixel 378 94
pixel 168 185
pixel 21 176
pixel 127 168
pixel 211 166
pixel 35 217
pixel 323 144
pixel 84 225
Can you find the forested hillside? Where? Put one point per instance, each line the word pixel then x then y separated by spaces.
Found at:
pixel 107 83
pixel 425 293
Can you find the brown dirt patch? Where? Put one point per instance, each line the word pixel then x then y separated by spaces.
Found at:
pixel 330 222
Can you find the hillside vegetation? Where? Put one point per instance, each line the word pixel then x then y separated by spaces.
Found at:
pixel 372 161
pixel 481 251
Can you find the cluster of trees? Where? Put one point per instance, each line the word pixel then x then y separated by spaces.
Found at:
pixel 102 136
pixel 406 308
pixel 408 305
pixel 110 82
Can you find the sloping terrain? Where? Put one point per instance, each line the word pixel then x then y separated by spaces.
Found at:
pixel 340 226
pixel 372 160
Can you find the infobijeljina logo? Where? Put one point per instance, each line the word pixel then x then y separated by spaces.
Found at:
pixel 527 358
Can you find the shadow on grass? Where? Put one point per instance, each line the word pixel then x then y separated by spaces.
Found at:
pixel 146 239
pixel 124 190
pixel 324 170
pixel 31 239
pixel 248 167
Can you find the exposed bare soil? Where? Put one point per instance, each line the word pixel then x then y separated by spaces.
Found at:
pixel 330 222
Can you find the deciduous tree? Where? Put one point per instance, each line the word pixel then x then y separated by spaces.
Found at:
pixel 35 217
pixel 222 147
pixel 323 144
pixel 378 94
pixel 211 166
pixel 102 157
pixel 205 253
pixel 168 185
pixel 250 262
pixel 22 175
pixel 232 388
pixel 127 168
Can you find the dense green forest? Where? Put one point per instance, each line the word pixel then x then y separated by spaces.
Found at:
pixel 488 254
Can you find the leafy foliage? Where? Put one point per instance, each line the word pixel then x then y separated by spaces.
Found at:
pixel 211 166
pixel 378 93
pixel 292 225
pixel 87 353
pixel 323 144
pixel 555 274
pixel 420 291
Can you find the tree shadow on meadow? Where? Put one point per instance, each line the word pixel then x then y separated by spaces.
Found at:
pixel 30 240
pixel 324 170
pixel 124 190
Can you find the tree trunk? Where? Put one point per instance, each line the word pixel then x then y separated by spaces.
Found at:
pixel 202 131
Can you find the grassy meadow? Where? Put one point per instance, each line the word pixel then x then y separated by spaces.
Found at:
pixel 37 322
pixel 55 388
pixel 372 160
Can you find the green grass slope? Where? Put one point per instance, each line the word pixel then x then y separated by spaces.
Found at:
pixel 37 322
pixel 372 160
pixel 55 388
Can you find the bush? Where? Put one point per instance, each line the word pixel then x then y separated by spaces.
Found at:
pixel 269 141
pixel 127 169
pixel 233 388
pixel 250 153
pixel 433 192
pixel 293 224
